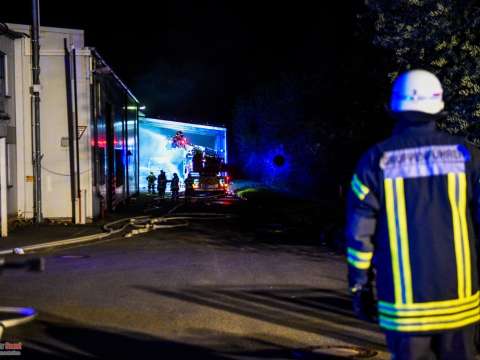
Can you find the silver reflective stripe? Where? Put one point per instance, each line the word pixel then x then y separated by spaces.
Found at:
pixel 424 161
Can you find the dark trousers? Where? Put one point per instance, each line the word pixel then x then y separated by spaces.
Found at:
pixel 449 345
pixel 188 195
pixel 161 191
pixel 174 194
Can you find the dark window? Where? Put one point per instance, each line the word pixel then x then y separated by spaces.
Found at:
pixel 119 168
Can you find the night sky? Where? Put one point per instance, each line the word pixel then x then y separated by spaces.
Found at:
pixel 191 60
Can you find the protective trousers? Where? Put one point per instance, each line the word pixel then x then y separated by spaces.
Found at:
pixel 446 345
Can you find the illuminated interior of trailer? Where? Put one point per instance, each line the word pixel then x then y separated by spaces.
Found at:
pixel 170 146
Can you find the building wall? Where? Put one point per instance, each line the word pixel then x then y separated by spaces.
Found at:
pixel 56 201
pixel 8 127
pixel 56 185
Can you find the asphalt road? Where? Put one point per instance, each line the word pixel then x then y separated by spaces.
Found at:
pixel 214 290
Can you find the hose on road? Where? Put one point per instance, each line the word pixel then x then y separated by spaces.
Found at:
pixel 144 224
pixel 140 224
pixel 22 316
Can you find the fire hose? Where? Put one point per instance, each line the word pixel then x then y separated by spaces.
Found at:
pixel 140 224
pixel 21 315
pixel 144 224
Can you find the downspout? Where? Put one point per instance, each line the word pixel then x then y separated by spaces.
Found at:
pixel 71 153
pixel 77 147
pixel 35 90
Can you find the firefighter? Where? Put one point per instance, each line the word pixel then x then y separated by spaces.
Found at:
pixel 151 182
pixel 179 140
pixel 188 188
pixel 410 220
pixel 161 184
pixel 175 186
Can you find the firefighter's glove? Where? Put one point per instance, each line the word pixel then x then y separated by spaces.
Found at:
pixel 364 303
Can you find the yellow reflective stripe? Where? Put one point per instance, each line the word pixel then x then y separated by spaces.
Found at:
pixel 463 224
pixel 364 189
pixel 392 232
pixel 358 193
pixel 362 265
pixel 361 255
pixel 427 312
pixel 430 327
pixel 402 214
pixel 358 188
pixel 433 319
pixel 432 304
pixel 457 237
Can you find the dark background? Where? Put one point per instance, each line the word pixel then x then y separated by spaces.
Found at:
pixel 191 59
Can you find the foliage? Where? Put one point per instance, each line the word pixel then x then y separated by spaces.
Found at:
pixel 439 36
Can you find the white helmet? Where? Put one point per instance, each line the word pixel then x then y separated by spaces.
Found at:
pixel 417 90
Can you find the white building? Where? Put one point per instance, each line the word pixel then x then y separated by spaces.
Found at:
pixel 77 88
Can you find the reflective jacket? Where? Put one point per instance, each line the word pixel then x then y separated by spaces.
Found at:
pixel 411 214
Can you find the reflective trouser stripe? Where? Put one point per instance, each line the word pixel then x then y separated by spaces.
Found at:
pixel 457 190
pixel 398 237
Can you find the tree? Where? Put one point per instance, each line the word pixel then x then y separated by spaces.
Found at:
pixel 442 37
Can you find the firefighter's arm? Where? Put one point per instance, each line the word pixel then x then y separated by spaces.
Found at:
pixel 363 207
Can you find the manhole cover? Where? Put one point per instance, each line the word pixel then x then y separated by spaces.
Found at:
pixel 335 352
pixel 68 257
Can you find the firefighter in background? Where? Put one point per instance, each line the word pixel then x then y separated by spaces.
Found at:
pixel 410 219
pixel 179 140
pixel 175 186
pixel 188 188
pixel 151 182
pixel 161 184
